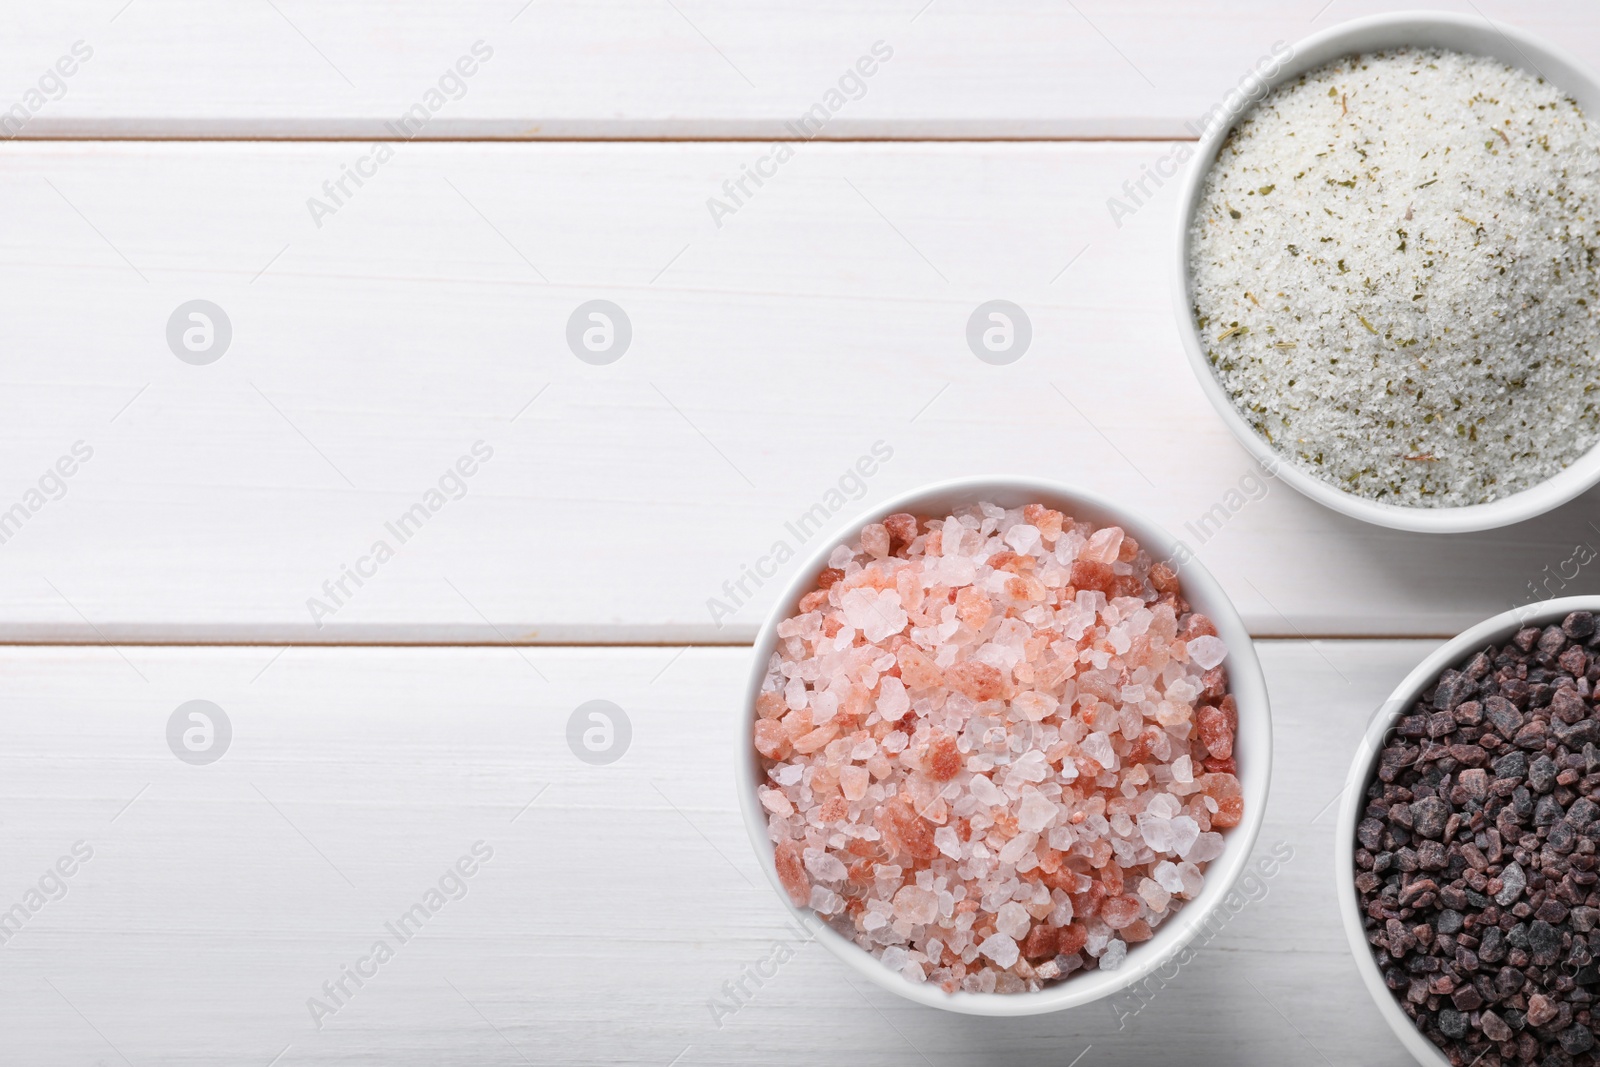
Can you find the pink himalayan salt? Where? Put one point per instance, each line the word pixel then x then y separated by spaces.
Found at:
pixel 1005 743
pixel 1012 920
pixel 916 905
pixel 774 801
pixel 1001 949
pixel 1207 651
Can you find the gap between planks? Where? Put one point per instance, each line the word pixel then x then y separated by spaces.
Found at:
pixel 1272 638
pixel 271 138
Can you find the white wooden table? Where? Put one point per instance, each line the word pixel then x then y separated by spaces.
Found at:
pixel 376 340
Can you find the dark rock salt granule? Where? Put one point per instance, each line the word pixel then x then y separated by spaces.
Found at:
pixel 1476 854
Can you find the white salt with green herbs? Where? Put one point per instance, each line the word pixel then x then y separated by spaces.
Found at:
pixel 1393 269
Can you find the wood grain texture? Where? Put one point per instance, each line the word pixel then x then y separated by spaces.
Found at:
pixel 374 346
pixel 613 909
pixel 768 356
pixel 679 69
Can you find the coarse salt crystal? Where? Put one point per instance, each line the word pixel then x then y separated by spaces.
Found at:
pixel 825 900
pixel 1097 746
pixel 1102 546
pixel 1036 812
pixel 1017 847
pixel 1206 847
pixel 957 571
pixel 1183 690
pixel 916 905
pixel 1157 832
pixel 1207 651
pixel 986 791
pixel 892 700
pixel 1013 920
pixel 1023 538
pixel 1167 877
pixel 878 614
pixel 1036 706
pixel 1185 831
pixel 1154 894
pixel 1000 948
pixel 1182 770
pixel 774 801
pixel 823 866
pixel 1164 805
pixel 1031 766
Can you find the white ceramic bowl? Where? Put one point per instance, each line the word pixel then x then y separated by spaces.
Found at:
pixel 1252 745
pixel 1496 631
pixel 1461 33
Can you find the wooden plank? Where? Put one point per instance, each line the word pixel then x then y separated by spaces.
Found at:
pixel 681 69
pixel 369 355
pixel 220 897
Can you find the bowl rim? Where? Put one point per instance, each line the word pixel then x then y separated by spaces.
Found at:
pixel 1474 35
pixel 1254 737
pixel 1494 630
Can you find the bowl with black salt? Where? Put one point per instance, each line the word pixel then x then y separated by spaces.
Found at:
pixel 1467 854
pixel 1388 271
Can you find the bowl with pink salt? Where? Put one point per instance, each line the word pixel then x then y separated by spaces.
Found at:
pixel 1005 747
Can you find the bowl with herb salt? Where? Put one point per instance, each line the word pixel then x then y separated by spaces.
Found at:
pixel 1388 271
